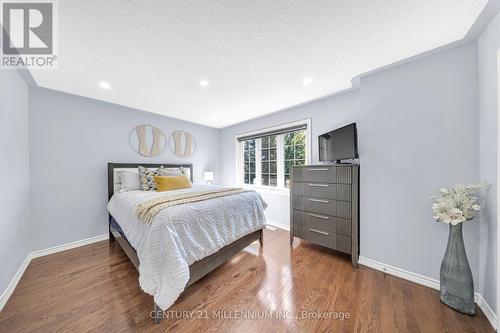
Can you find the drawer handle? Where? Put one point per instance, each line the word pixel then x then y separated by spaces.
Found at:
pixel 318 200
pixel 319 216
pixel 318 185
pixel 319 231
pixel 318 169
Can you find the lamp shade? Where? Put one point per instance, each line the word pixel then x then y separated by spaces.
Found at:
pixel 208 176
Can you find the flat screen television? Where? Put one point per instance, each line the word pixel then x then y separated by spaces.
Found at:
pixel 339 144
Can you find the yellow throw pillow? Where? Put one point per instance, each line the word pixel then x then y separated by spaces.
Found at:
pixel 168 183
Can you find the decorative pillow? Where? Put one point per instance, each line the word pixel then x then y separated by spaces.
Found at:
pixel 169 183
pixel 130 180
pixel 147 177
pixel 171 172
pixel 174 171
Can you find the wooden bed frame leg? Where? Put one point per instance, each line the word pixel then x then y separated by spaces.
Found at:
pixel 261 237
pixel 158 314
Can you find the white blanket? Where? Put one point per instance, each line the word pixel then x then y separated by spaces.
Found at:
pixel 180 235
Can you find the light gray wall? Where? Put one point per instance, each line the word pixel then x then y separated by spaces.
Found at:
pixel 72 140
pixel 14 175
pixel 418 132
pixel 325 115
pixel 488 47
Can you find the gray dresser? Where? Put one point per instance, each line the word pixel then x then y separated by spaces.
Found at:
pixel 324 206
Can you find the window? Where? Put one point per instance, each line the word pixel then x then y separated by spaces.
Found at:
pixel 295 152
pixel 268 155
pixel 265 159
pixel 249 162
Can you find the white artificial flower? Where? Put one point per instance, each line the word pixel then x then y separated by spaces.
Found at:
pixel 457 220
pixel 456 205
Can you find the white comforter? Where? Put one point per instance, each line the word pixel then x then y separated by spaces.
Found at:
pixel 183 234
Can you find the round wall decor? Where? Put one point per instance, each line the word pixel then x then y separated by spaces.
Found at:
pixel 182 144
pixel 148 140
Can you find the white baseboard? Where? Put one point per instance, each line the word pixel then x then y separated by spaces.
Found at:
pixel 278 225
pixel 428 282
pixel 404 274
pixel 487 310
pixel 13 283
pixel 68 246
pixel 40 253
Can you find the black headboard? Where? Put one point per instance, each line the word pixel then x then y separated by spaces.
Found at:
pixel 112 166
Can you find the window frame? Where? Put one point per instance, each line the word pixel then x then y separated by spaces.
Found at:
pixel 293 146
pixel 280 156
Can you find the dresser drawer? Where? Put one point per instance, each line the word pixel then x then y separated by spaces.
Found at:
pixel 322 190
pixel 324 174
pixel 323 206
pixel 322 222
pixel 314 174
pixel 322 237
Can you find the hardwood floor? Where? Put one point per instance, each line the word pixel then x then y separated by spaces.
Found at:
pixel 95 288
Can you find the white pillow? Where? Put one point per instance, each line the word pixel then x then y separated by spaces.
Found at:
pixel 130 180
pixel 172 171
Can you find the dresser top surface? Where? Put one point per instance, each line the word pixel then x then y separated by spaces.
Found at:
pixel 325 165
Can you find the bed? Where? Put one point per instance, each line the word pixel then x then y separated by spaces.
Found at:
pixel 182 243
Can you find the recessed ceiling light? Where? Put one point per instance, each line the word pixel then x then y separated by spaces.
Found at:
pixel 204 83
pixel 104 85
pixel 307 81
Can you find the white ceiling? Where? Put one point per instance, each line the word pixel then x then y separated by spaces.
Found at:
pixel 254 54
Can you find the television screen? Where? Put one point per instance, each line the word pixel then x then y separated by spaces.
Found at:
pixel 339 144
